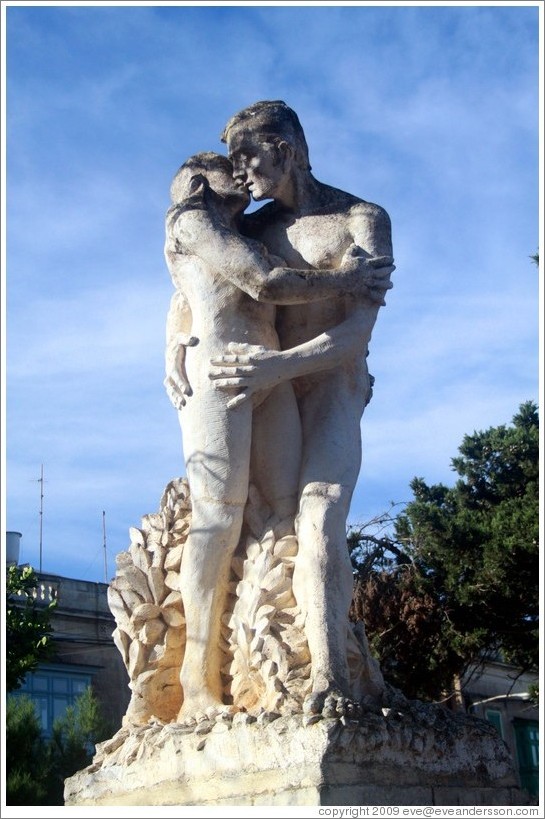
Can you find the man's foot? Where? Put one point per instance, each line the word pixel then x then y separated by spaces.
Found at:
pixel 199 709
pixel 329 703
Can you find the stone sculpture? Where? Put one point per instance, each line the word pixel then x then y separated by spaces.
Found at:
pixel 329 282
pixel 231 434
pixel 232 600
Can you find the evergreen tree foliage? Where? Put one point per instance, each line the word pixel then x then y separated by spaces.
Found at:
pixel 458 580
pixel 72 745
pixel 26 757
pixel 28 630
pixel 36 768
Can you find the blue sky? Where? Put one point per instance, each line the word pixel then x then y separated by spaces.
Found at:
pixel 430 111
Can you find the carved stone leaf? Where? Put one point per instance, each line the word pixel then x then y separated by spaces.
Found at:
pixel 140 557
pixel 131 598
pixel 146 611
pixel 153 522
pixel 174 558
pixel 253 549
pixel 256 644
pixel 275 578
pixel 122 641
pixel 285 598
pixel 122 559
pixel 241 638
pixel 286 547
pixel 157 584
pixel 265 612
pixel 172 580
pixel 137 581
pixel 151 632
pixel 120 582
pixel 156 655
pixel 262 626
pixel 173 617
pixel 173 598
pixel 269 668
pixel 137 659
pixel 267 541
pixel 246 592
pixel 137 536
pixel 263 563
pixel 117 606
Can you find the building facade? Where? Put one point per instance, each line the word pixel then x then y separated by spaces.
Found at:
pixel 500 693
pixel 84 653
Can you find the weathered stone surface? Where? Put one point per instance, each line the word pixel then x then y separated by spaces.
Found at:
pixel 374 761
pixel 266 660
pixel 267 339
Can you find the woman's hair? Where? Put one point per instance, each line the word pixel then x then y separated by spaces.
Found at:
pixel 205 161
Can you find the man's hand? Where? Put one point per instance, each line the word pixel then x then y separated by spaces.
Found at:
pixel 176 382
pixel 247 367
pixel 375 272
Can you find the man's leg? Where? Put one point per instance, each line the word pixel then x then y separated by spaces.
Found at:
pixel 277 451
pixel 323 580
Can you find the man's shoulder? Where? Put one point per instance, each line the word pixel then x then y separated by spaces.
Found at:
pixel 370 211
pixel 352 205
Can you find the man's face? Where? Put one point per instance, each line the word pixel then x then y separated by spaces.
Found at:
pixel 256 164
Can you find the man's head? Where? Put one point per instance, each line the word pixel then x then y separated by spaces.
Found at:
pixel 207 170
pixel 268 148
pixel 273 122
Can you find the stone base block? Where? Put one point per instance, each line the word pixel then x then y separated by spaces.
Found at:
pixel 377 761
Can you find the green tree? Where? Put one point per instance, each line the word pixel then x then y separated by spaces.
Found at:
pixel 459 576
pixel 36 768
pixel 28 627
pixel 72 745
pixel 27 761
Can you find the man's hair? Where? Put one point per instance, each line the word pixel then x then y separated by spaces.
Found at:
pixel 274 122
pixel 205 161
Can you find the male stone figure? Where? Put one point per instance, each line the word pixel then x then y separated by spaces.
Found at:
pixel 313 226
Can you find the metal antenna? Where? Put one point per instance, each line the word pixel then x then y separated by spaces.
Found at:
pixel 105 553
pixel 41 482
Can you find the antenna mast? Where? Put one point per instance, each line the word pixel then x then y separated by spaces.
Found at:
pixel 41 482
pixel 105 553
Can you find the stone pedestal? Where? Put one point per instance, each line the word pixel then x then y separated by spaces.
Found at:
pixel 427 758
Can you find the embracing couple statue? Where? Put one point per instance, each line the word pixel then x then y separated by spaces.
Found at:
pixel 267 339
pixel 249 685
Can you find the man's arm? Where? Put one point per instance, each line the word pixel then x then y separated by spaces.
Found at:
pixel 359 275
pixel 364 271
pixel 252 369
pixel 247 264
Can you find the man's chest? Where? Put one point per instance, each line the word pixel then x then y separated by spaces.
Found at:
pixel 308 241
